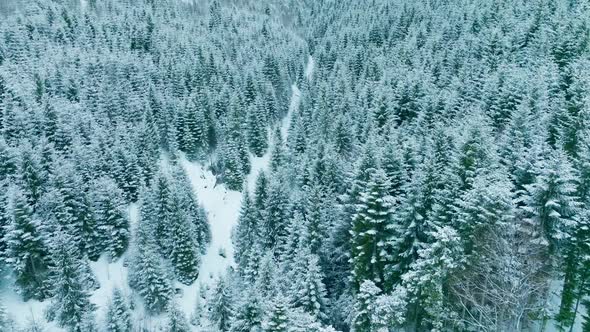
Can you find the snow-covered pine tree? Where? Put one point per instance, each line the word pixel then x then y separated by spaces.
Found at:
pixel 427 278
pixel 277 319
pixel 184 254
pixel 248 314
pixel 220 306
pixel 278 155
pixel 190 207
pixel 70 305
pixel 276 209
pixel 148 274
pixel 111 233
pixel 30 174
pixel 118 318
pixel 177 321
pixel 27 253
pixel 369 253
pixel 246 233
pixel 257 131
pixel 308 290
pixel 364 307
pixel 551 203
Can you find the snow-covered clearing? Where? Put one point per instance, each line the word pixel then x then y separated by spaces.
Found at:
pixel 309 68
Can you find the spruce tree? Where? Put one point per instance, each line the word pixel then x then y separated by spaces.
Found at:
pixel 274 228
pixel 148 275
pixel 369 253
pixel 245 235
pixel 257 132
pixel 248 314
pixel 26 249
pixel 185 255
pixel 118 314
pixel 71 304
pixel 177 321
pixel 111 233
pixel 364 309
pixel 277 320
pixel 220 307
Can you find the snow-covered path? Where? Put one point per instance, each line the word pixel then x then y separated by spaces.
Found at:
pixel 223 208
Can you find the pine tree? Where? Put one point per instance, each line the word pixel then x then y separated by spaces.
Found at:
pixel 31 175
pixel 221 311
pixel 191 208
pixel 118 314
pixel 248 315
pixel 233 174
pixel 111 233
pixel 277 320
pixel 148 276
pixel 245 235
pixel 185 251
pixel 369 253
pixel 72 211
pixel 308 290
pixel 26 249
pixel 277 156
pixel 363 316
pixel 71 300
pixel 177 321
pixel 427 278
pixel 257 132
pixel 551 203
pixel 274 228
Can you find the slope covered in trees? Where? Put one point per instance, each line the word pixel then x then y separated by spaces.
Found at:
pixel 433 173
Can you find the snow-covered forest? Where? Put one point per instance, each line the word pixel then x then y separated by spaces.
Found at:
pixel 294 165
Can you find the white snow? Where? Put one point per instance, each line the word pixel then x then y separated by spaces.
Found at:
pixel 309 68
pixel 293 106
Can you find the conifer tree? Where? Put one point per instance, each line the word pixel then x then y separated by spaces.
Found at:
pixel 248 314
pixel 274 228
pixel 245 235
pixel 221 311
pixel 551 203
pixel 308 290
pixel 363 316
pixel 277 320
pixel 257 132
pixel 426 281
pixel 185 251
pixel 369 252
pixel 71 304
pixel 111 233
pixel 149 277
pixel 26 249
pixel 177 321
pixel 118 315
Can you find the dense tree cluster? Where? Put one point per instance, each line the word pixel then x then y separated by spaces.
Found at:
pixel 435 175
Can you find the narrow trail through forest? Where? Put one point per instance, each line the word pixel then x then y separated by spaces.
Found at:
pixel 223 207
